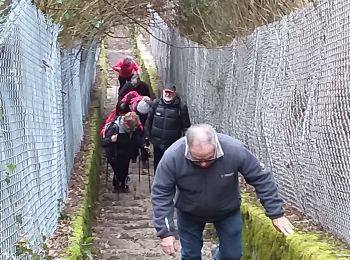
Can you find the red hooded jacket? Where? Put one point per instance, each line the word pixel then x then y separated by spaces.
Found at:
pixel 126 71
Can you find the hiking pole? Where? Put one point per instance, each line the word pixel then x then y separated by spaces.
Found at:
pixel 149 176
pixel 147 143
pixel 107 173
pixel 139 169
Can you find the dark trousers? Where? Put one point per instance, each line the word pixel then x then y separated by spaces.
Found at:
pixel 123 80
pixel 229 231
pixel 157 154
pixel 120 168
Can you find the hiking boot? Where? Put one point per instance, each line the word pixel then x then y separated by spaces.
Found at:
pixel 125 189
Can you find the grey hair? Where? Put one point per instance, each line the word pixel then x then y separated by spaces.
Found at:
pixel 128 58
pixel 201 133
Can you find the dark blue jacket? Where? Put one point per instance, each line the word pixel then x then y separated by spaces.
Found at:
pixel 209 194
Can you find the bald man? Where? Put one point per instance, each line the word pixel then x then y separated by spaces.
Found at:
pixel 203 167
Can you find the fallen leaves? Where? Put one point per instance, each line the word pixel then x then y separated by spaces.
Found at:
pixel 60 239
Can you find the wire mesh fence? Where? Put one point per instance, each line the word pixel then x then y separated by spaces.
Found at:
pixel 44 94
pixel 284 91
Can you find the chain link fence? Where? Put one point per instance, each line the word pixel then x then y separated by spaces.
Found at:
pixel 44 95
pixel 284 91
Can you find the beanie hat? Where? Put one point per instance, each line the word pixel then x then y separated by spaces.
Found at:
pixel 142 107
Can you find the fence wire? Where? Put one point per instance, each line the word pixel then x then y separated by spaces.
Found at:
pixel 44 94
pixel 284 91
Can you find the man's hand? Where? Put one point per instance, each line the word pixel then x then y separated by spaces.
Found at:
pixel 114 138
pixel 169 246
pixel 117 69
pixel 283 225
pixel 147 99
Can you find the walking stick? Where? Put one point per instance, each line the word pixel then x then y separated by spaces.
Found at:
pixel 149 176
pixel 107 173
pixel 147 143
pixel 139 169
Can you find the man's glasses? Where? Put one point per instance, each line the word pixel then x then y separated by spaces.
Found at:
pixel 202 161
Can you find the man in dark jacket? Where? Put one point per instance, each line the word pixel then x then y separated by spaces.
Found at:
pixel 203 167
pixel 122 138
pixel 135 84
pixel 167 120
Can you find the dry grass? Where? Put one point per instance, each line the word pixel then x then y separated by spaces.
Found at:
pixel 85 20
pixel 209 22
pixel 217 22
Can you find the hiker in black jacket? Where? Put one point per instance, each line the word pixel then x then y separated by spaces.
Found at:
pixel 167 121
pixel 135 84
pixel 122 138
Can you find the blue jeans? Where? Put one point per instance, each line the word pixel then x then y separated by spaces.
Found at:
pixel 229 231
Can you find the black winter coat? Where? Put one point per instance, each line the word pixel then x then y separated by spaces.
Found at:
pixel 166 123
pixel 142 88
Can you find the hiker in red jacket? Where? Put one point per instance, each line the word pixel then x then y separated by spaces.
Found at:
pixel 137 103
pixel 140 105
pixel 126 68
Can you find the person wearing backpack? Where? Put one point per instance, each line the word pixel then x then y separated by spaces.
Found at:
pixel 140 105
pixel 167 121
pixel 135 84
pixel 120 110
pixel 121 138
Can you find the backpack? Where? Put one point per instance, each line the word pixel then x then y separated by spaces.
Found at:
pixel 109 149
pixel 129 99
pixel 132 98
pixel 110 118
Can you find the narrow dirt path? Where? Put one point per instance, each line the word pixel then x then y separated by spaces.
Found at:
pixel 123 222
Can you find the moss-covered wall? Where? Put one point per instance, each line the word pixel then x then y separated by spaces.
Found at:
pixel 81 225
pixel 81 220
pixel 103 68
pixel 148 74
pixel 263 242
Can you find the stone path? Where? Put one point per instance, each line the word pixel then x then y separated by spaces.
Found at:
pixel 123 222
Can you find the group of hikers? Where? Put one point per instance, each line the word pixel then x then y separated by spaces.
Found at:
pixel 196 168
pixel 137 121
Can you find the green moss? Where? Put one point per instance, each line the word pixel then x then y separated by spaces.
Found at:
pixel 148 74
pixel 81 220
pixel 152 72
pixel 263 242
pixel 103 67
